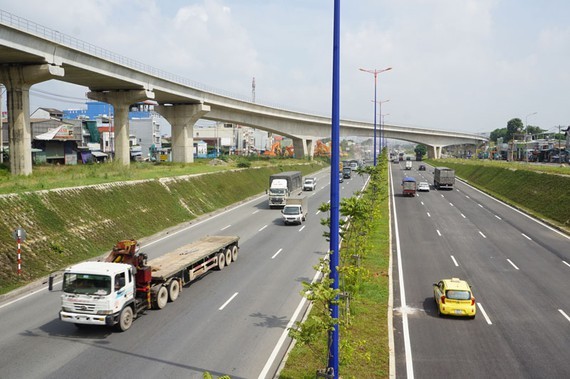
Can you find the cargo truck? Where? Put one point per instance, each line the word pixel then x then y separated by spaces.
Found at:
pixel 409 165
pixel 295 210
pixel 443 177
pixel 116 291
pixel 283 185
pixel 409 186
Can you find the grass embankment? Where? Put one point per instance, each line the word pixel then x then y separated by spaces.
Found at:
pixel 541 190
pixel 77 223
pixel 364 351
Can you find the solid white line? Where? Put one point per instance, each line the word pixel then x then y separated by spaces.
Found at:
pixel 225 227
pixel 484 314
pixel 302 227
pixel 274 255
pixel 515 266
pixel 527 237
pixel 227 302
pixel 498 217
pixel 284 335
pixel 438 233
pixel 516 210
pixel 564 314
pixel 484 236
pixel 566 263
pixel 23 297
pixel 428 214
pixel 407 343
pixel 454 261
pixel 265 226
pixel 462 215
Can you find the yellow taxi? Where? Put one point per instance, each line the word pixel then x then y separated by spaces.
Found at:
pixel 453 297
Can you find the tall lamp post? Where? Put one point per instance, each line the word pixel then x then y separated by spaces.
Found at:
pixel 382 125
pixel 375 72
pixel 526 131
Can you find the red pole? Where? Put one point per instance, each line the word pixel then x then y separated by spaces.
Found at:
pixel 19 257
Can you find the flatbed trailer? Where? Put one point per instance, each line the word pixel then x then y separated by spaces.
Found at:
pixel 125 285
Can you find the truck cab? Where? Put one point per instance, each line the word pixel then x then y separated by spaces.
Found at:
pixel 96 293
pixel 278 192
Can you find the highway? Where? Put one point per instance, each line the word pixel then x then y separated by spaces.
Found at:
pixel 230 322
pixel 519 270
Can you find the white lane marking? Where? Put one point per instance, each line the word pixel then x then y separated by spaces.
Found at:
pixel 284 335
pixel 318 212
pixel 422 202
pixel 278 251
pixel 254 212
pixel 442 196
pixel 265 226
pixel 484 236
pixel 480 205
pixel 467 197
pixel 428 214
pixel 564 314
pixel 454 261
pixel 302 227
pixel 516 210
pixel 451 204
pixel 227 302
pixel 405 328
pixel 484 314
pixel 527 237
pixel 566 263
pixel 25 296
pixel 498 217
pixel 225 227
pixel 462 215
pixel 438 233
pixel 511 262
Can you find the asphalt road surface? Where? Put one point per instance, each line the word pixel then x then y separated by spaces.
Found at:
pixel 230 322
pixel 519 270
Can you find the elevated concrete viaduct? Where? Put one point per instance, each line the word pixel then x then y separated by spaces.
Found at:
pixel 31 53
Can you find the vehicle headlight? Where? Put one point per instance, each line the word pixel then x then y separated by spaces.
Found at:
pixel 67 309
pixel 107 312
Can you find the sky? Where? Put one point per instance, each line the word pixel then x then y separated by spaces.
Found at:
pixel 458 65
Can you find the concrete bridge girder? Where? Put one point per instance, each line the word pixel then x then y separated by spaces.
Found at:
pixel 182 118
pixel 121 100
pixel 18 79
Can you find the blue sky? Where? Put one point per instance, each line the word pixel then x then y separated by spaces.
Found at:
pixel 467 65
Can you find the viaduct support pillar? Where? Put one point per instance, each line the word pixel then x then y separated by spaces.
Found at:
pixel 434 152
pixel 303 148
pixel 121 101
pixel 18 79
pixel 182 118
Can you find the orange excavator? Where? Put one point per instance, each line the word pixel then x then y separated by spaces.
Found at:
pixel 322 149
pixel 274 151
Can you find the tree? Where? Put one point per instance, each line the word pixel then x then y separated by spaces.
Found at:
pixel 514 126
pixel 420 150
pixel 498 133
pixel 534 130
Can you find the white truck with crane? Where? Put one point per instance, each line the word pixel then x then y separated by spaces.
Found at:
pixel 121 288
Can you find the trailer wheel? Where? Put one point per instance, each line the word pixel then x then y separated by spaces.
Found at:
pixel 125 319
pixel 228 256
pixel 173 290
pixel 161 298
pixel 234 253
pixel 221 261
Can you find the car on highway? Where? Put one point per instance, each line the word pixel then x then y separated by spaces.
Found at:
pixel 453 297
pixel 422 167
pixel 340 179
pixel 423 186
pixel 309 184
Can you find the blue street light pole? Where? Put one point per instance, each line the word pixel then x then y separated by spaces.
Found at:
pixel 333 360
pixel 375 72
